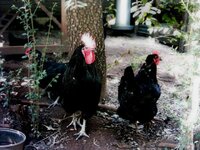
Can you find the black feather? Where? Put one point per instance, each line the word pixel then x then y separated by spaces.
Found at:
pixel 82 86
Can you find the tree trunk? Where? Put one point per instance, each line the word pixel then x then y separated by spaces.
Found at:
pixel 80 20
pixel 182 42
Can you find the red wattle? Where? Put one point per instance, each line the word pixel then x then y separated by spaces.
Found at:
pixel 89 56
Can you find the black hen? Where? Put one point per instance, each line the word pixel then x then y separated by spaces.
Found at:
pixel 82 86
pixel 138 94
pixel 52 81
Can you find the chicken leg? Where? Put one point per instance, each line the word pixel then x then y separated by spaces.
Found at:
pixel 82 131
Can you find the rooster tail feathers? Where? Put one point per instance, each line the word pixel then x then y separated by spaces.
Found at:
pixel 88 40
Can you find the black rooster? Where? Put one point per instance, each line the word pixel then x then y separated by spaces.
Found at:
pixel 138 94
pixel 52 81
pixel 82 85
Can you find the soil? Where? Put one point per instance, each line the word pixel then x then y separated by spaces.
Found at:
pixel 105 129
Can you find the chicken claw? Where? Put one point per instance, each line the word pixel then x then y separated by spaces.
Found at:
pixel 82 131
pixel 54 103
pixel 75 118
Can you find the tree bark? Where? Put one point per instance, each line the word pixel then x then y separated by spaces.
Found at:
pixel 80 20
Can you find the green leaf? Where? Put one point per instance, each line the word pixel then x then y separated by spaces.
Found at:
pixel 136 14
pixel 134 9
pixel 148 22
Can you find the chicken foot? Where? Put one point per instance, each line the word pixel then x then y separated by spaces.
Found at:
pixel 54 103
pixel 82 131
pixel 75 118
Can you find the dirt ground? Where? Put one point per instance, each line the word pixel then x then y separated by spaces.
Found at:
pixel 106 130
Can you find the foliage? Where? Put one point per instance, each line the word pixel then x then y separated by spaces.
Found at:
pixel 110 9
pixel 109 12
pixel 166 21
pixel 194 31
pixel 172 12
pixel 169 12
pixel 3 85
pixel 8 83
pixel 144 11
pixel 36 72
pixel 172 17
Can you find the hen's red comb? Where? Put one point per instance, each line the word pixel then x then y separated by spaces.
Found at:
pixel 27 51
pixel 155 52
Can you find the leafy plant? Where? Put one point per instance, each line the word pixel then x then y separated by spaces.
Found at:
pixel 8 83
pixel 143 11
pixel 109 12
pixel 110 9
pixel 3 85
pixel 166 21
pixel 36 72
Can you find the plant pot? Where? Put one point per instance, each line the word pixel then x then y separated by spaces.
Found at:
pixel 11 139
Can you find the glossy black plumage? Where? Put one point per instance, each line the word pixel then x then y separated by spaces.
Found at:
pixel 138 94
pixel 82 86
pixel 54 71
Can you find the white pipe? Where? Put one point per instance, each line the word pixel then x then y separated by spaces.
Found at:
pixel 123 14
